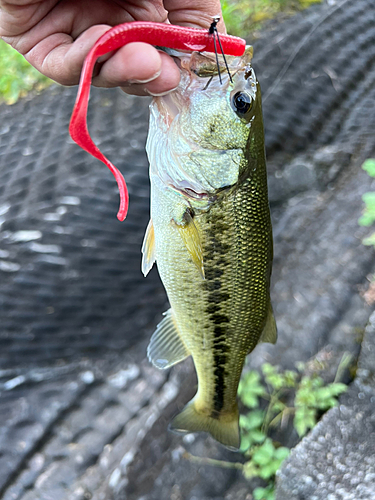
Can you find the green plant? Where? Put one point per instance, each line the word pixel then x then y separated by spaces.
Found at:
pixel 267 399
pixel 265 460
pixel 368 216
pixel 17 76
pixel 311 396
pixel 243 17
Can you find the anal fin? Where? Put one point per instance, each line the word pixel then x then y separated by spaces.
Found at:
pixel 166 347
pixel 148 249
pixel 269 333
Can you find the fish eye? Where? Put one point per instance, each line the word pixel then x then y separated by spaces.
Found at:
pixel 242 103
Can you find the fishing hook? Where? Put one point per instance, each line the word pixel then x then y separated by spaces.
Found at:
pixel 215 34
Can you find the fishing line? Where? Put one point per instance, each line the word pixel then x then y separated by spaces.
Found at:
pixel 213 31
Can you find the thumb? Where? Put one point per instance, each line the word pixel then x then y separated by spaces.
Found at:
pixel 194 13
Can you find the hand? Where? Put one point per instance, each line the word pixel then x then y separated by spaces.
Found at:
pixel 55 37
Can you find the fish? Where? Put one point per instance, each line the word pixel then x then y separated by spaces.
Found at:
pixel 210 234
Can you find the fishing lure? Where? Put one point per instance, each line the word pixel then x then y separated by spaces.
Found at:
pixel 166 35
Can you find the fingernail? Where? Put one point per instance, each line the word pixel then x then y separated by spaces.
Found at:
pixel 161 94
pixel 147 80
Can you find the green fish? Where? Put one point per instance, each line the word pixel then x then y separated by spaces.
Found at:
pixel 210 234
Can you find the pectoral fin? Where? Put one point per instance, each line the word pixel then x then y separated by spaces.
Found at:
pixel 166 347
pixel 269 333
pixel 148 249
pixel 191 238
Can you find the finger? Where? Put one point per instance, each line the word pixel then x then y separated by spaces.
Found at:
pixel 167 81
pixel 17 17
pixel 134 63
pixel 194 13
pixel 61 58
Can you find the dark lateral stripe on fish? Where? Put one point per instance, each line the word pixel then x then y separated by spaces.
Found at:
pixel 220 355
pixel 218 297
pixel 213 285
pixel 219 318
pixel 220 351
pixel 215 261
pixel 220 347
pixel 212 273
pixel 219 373
pixel 213 308
pixel 220 331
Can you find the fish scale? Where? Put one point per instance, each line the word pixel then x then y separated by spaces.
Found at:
pixel 211 237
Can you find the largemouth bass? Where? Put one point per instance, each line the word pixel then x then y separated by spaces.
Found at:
pixel 210 234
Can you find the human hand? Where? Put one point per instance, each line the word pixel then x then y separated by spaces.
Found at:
pixel 55 37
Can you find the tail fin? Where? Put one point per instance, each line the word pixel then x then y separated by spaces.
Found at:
pixel 224 429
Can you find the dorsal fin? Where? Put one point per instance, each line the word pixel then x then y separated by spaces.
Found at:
pixel 148 249
pixel 166 347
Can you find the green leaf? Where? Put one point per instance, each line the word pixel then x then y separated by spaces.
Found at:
pixel 250 470
pixel 272 376
pixel 257 436
pixel 268 470
pixel 245 443
pixel 252 420
pixel 300 365
pixel 264 453
pixel 264 493
pixel 369 166
pixel 366 219
pixel 369 199
pixel 251 389
pixel 282 453
pixel 290 377
pixel 370 240
pixel 304 419
pixel 338 388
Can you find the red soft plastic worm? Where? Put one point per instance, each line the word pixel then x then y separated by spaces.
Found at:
pixel 165 35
